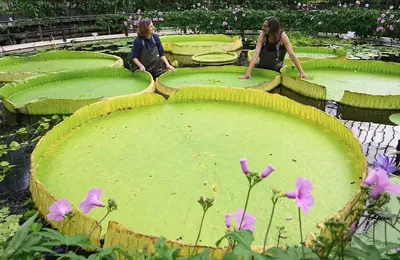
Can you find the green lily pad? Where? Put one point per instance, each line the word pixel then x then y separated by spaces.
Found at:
pixel 16 68
pixel 65 92
pixel 157 160
pixel 395 118
pixel 369 84
pixel 223 76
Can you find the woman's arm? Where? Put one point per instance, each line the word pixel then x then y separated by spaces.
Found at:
pixel 137 48
pixel 253 61
pixel 162 53
pixel 289 48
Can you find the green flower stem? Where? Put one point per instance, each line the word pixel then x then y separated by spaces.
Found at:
pixel 98 224
pixel 397 218
pixel 245 205
pixel 301 234
pixel 198 235
pixel 394 227
pixel 387 252
pixel 269 225
pixel 373 234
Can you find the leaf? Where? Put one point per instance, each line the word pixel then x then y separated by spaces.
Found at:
pixel 372 252
pixel 355 252
pixel 164 252
pixel 202 256
pixel 4 163
pixel 244 237
pixel 279 253
pixel 19 237
pixel 14 146
pixel 105 253
pixel 130 254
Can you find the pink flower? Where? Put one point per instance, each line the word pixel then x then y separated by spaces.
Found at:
pixel 59 209
pixel 155 19
pixel 248 222
pixel 383 15
pixel 161 19
pixel 267 171
pixel 130 17
pixel 92 200
pixel 125 23
pixel 391 27
pixel 303 196
pixel 391 16
pixel 398 21
pixel 243 15
pixel 224 23
pixel 358 3
pixel 383 21
pixel 131 27
pixel 136 22
pixel 245 166
pixel 382 183
pixel 228 220
pixel 10 19
pixel 138 11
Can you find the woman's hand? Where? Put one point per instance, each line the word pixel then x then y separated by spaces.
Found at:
pixel 170 67
pixel 142 68
pixel 246 76
pixel 304 76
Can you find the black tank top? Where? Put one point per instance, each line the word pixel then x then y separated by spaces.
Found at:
pixel 272 46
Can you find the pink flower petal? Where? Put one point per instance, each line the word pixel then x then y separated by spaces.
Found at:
pixel 238 216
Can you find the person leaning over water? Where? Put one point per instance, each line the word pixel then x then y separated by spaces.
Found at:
pixel 272 45
pixel 148 51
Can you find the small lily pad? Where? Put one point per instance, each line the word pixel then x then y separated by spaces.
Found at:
pixel 395 118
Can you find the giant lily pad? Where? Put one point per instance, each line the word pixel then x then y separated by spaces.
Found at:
pixel 309 53
pixel 216 58
pixel 225 76
pixel 200 43
pixel 65 92
pixel 16 68
pixel 366 84
pixel 158 158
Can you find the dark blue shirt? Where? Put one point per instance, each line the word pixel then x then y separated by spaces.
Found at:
pixel 148 44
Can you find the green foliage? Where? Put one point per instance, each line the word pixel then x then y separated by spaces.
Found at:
pixel 8 226
pixel 362 21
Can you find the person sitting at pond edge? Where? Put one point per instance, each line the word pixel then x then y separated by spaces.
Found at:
pixel 272 45
pixel 148 52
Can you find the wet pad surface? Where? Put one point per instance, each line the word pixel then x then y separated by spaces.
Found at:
pixel 88 88
pixel 57 65
pixel 157 161
pixel 227 79
pixel 337 81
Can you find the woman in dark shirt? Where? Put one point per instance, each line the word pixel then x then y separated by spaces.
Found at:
pixel 272 45
pixel 148 51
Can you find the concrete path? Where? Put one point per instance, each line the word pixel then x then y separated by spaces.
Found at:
pixel 33 45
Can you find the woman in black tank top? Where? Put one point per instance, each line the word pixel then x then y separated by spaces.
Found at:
pixel 272 45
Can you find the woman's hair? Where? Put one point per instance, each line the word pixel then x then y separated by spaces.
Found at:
pixel 274 27
pixel 143 28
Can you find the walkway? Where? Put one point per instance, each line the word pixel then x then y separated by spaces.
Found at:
pixel 33 45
